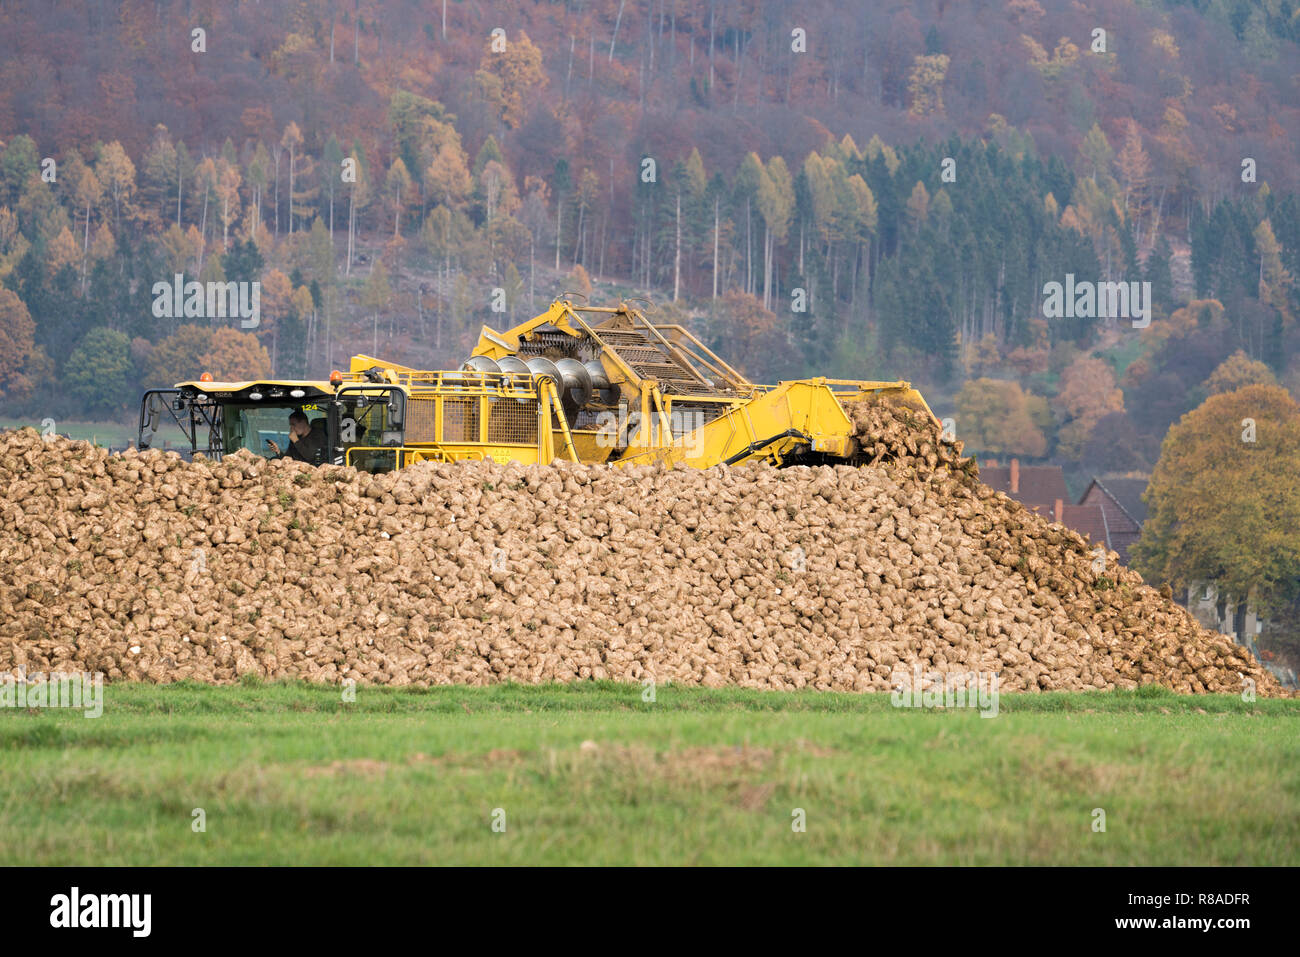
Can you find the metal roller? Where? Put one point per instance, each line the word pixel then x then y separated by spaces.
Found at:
pixel 480 364
pixel 577 382
pixel 600 382
pixel 513 365
pixel 539 367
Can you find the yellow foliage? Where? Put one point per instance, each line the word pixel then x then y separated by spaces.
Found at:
pixel 1223 500
pixel 63 251
pixel 994 415
pixel 925 84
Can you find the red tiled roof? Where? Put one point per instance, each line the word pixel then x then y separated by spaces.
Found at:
pixel 1040 485
pixel 1122 541
pixel 1120 500
pixel 1126 494
pixel 1087 520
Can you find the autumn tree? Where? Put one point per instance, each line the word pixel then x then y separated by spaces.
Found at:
pixel 1223 503
pixel 277 304
pixel 230 355
pixel 291 141
pixel 578 281
pixel 237 356
pixel 62 252
pixel 1236 372
pixel 180 249
pixel 17 340
pixel 753 340
pixel 116 171
pixel 87 192
pixel 1274 278
pixel 1114 445
pixel 925 84
pixel 1095 154
pixel 227 190
pixel 13 244
pixel 776 206
pixel 994 416
pixel 397 188
pixel 507 76
pixel 359 195
pixel 375 297
pixel 1134 168
pixel 158 175
pixel 1088 391
pixel 447 176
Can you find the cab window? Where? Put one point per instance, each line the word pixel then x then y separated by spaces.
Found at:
pixel 252 426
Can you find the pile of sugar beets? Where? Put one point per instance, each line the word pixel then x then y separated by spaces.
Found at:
pixel 149 568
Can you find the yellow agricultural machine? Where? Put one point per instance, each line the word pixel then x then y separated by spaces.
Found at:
pixel 582 383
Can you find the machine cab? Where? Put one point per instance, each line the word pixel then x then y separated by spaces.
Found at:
pixel 358 424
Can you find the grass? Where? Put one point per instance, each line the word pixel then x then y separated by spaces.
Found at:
pixel 116 434
pixel 591 773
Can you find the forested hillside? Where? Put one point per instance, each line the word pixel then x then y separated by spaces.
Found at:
pixel 817 188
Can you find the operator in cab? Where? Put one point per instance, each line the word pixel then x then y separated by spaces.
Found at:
pixel 305 443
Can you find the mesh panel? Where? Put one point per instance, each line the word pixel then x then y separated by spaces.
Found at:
pixel 420 411
pixel 460 420
pixel 510 421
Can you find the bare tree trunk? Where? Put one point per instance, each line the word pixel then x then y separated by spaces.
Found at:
pixel 767 267
pixel 604 234
pixel 749 250
pixel 617 21
pixel 86 249
pixel 352 229
pixel 577 241
pixel 677 256
pixel 277 192
pixel 715 247
pixel 291 191
pixel 712 4
pixel 569 73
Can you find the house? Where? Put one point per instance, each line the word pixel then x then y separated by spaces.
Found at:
pixel 1237 619
pixel 1120 500
pixel 1041 489
pixel 1037 487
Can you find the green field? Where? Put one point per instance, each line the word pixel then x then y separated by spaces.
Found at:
pixel 108 434
pixel 290 774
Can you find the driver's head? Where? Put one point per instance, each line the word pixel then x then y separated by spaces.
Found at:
pixel 299 426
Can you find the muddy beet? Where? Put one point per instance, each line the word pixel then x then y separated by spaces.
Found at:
pixel 149 568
